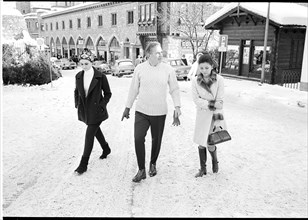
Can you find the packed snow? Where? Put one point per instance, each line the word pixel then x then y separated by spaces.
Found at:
pixel 262 170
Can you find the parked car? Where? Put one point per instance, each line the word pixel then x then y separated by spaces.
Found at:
pixel 57 64
pixel 102 66
pixel 122 67
pixel 68 64
pixel 181 69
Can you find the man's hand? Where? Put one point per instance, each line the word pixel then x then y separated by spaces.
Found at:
pixel 177 112
pixel 176 120
pixel 125 114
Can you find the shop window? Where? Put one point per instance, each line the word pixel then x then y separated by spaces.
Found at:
pixel 231 64
pixel 257 59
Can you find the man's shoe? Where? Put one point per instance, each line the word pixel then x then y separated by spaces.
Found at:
pixel 152 171
pixel 139 176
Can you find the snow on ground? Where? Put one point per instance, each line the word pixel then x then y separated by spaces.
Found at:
pixel 263 170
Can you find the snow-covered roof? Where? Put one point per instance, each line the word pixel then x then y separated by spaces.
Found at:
pixel 10 11
pixel 280 13
pixel 72 8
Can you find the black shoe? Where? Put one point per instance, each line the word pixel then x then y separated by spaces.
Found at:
pixel 139 176
pixel 83 166
pixel 152 171
pixel 106 151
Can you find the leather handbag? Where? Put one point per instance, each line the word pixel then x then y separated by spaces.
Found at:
pixel 218 136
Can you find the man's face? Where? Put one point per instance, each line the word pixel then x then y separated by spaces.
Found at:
pixel 156 55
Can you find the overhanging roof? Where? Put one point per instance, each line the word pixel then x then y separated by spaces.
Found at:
pixel 281 14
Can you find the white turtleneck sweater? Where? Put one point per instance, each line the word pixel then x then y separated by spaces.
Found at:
pixel 150 84
pixel 87 78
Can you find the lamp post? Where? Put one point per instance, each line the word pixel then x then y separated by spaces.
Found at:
pixel 50 72
pixel 265 44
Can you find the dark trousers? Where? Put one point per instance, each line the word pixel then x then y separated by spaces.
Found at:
pixel 93 131
pixel 141 126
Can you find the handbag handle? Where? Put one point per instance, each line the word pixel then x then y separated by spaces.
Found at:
pixel 215 128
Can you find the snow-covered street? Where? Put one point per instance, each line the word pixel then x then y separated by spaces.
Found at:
pixel 262 170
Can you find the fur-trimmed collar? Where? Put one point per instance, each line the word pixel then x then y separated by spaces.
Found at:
pixel 206 82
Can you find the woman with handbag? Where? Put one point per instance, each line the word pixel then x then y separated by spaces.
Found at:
pixel 91 105
pixel 208 94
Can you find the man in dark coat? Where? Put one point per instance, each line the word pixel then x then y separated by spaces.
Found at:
pixel 92 106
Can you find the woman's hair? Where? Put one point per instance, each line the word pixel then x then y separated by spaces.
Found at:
pixel 150 46
pixel 206 58
pixel 206 84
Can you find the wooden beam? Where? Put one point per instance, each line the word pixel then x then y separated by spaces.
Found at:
pixel 255 22
pixel 239 14
pixel 238 22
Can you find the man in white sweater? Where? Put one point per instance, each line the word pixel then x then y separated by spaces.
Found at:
pixel 150 81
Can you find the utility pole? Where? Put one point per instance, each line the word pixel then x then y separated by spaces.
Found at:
pixel 265 44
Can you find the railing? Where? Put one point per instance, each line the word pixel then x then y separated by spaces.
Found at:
pixel 291 79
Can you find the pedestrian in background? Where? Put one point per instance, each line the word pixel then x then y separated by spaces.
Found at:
pixel 208 95
pixel 92 106
pixel 184 59
pixel 194 68
pixel 149 83
pixel 138 60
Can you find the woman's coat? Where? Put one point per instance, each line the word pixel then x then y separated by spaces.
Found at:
pixel 204 117
pixel 93 109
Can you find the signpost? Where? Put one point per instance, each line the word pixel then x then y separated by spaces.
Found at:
pixel 50 72
pixel 223 44
pixel 40 42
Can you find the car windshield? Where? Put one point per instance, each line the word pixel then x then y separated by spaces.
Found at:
pixel 125 63
pixel 176 63
pixel 98 63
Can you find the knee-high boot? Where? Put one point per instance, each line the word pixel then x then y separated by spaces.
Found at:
pixel 214 160
pixel 83 165
pixel 203 157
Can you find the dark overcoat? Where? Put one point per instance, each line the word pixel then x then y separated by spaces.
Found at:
pixel 93 108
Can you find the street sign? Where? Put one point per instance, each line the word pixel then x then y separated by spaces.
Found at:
pixel 223 43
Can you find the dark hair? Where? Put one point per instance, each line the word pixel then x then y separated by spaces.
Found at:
pixel 206 58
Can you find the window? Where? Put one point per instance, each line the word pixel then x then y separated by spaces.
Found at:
pixel 130 17
pixel 147 12
pixel 78 22
pixel 71 24
pixel 46 27
pixel 57 26
pixel 36 25
pixel 114 19
pixel 152 11
pixel 142 9
pixel 51 26
pixel 88 22
pixel 63 25
pixel 100 20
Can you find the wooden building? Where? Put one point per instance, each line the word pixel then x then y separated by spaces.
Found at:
pixel 244 24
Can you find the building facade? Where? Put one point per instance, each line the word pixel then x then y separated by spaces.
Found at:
pixel 111 30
